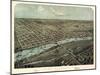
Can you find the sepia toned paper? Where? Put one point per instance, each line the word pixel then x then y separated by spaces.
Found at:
pixel 49 37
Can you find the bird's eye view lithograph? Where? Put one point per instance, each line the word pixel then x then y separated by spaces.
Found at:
pixel 50 37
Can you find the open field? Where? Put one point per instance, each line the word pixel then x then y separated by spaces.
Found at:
pixel 51 42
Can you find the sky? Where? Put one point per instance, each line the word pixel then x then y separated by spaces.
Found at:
pixel 53 12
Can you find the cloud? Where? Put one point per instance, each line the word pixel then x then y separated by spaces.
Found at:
pixel 57 12
pixel 53 12
pixel 41 9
